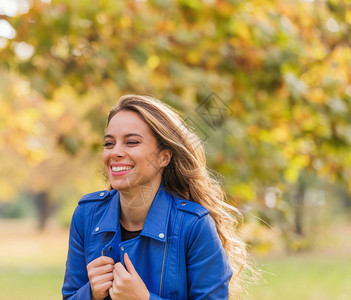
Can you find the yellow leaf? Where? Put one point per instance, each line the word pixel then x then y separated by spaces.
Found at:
pixel 27 118
pixel 281 133
pixel 193 57
pixel 291 174
pixel 54 109
pixel 316 95
pixel 348 16
pixel 243 191
pixel 125 22
pixel 153 61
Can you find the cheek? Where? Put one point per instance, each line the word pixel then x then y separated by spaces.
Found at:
pixel 145 157
pixel 151 162
pixel 105 157
pixel 136 154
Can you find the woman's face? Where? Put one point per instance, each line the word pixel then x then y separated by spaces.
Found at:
pixel 131 156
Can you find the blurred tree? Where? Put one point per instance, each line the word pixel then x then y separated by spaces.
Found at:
pixel 281 69
pixel 36 157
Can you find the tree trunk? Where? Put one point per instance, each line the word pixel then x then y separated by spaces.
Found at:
pixel 299 209
pixel 43 209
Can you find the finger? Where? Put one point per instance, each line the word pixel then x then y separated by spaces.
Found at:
pixel 104 260
pixel 101 289
pixel 105 269
pixel 102 269
pixel 100 261
pixel 128 263
pixel 115 275
pixel 98 271
pixel 120 272
pixel 98 280
pixel 111 291
pixel 120 268
pixel 105 286
pixel 103 278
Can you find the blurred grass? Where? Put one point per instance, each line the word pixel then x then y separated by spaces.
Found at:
pixel 304 277
pixel 31 263
pixel 31 283
pixel 32 266
pixel 322 273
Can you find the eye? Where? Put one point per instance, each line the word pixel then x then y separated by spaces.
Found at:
pixel 108 144
pixel 131 143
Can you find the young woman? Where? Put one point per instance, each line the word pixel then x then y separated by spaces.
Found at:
pixel 163 229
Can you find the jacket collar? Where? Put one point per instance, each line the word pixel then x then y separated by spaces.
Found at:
pixel 156 223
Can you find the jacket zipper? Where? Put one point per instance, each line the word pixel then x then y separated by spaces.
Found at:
pixel 163 265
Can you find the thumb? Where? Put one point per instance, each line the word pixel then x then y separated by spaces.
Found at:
pixel 129 265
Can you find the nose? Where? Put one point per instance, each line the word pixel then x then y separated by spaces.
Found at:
pixel 117 151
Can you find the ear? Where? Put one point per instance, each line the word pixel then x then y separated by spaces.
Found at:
pixel 165 157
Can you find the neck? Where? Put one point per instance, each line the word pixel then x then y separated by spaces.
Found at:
pixel 135 205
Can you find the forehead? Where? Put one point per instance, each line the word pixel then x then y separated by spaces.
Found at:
pixel 125 122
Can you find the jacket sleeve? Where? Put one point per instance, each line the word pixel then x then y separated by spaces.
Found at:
pixel 155 297
pixel 76 284
pixel 208 268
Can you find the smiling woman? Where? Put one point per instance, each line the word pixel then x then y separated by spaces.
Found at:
pixel 129 142
pixel 162 230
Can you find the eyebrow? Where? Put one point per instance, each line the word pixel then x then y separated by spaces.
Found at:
pixel 125 136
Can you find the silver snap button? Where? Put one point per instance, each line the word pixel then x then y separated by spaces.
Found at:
pixel 109 249
pixel 97 229
pixel 183 203
pixel 161 235
pixel 122 248
pixel 102 194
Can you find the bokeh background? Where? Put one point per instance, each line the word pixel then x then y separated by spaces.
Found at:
pixel 266 84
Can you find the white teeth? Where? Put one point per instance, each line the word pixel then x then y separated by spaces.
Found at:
pixel 118 169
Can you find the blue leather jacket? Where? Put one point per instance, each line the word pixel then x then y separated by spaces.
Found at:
pixel 178 254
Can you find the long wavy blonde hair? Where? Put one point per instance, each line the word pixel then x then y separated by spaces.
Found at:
pixel 187 175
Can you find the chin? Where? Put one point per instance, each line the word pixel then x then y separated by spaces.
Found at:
pixel 121 187
pixel 118 186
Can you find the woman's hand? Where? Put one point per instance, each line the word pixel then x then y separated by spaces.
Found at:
pixel 127 284
pixel 100 276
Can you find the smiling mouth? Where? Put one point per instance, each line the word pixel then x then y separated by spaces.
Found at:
pixel 120 169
